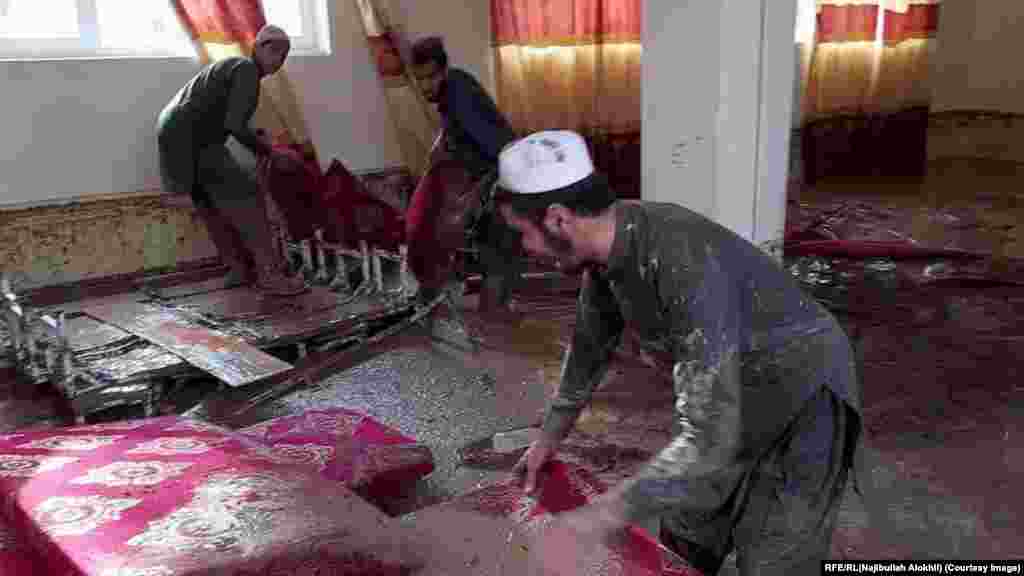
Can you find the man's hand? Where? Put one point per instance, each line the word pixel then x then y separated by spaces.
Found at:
pixel 533 460
pixel 563 548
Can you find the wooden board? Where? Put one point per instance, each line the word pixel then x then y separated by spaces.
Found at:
pixel 246 303
pixel 228 358
pixel 189 289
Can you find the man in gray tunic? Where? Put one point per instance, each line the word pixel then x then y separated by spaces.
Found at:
pixel 768 400
pixel 192 131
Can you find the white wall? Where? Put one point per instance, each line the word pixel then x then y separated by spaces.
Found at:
pixel 681 52
pixel 718 100
pixel 76 128
pixel 974 67
pixel 465 26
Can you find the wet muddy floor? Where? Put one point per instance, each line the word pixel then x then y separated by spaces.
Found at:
pixel 939 344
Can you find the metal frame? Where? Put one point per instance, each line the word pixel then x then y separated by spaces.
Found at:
pixel 41 352
pixel 329 264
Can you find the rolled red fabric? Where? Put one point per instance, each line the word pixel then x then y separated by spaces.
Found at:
pixel 298 194
pixel 433 228
pixel 375 460
pixel 353 214
pixel 872 249
pixel 565 488
pixel 16 556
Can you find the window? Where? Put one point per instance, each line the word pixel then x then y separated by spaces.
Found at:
pixel 37 29
pixel 305 21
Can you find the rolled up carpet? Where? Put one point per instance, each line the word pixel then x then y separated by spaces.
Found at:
pixel 433 223
pixel 373 459
pixel 298 194
pixel 352 213
pixel 873 249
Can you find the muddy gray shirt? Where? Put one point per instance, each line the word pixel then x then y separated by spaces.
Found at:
pixel 748 347
pixel 219 102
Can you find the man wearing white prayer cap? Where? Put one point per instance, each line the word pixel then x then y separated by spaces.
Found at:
pixel 768 402
pixel 192 131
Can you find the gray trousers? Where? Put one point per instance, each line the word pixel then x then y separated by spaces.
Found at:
pixel 782 511
pixel 226 195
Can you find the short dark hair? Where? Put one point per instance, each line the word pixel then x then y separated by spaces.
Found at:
pixel 429 49
pixel 588 197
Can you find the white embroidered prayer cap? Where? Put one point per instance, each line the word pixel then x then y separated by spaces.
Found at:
pixel 544 161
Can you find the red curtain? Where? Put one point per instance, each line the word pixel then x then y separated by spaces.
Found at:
pixel 574 64
pixel 919 22
pixel 221 22
pixel 544 22
pixel 866 87
pixel 847 23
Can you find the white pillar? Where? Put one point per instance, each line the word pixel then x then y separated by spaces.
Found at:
pixel 718 100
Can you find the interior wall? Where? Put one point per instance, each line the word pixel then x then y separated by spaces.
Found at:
pixel 977 90
pixel 974 65
pixel 725 153
pixel 677 149
pixel 79 128
pixel 465 26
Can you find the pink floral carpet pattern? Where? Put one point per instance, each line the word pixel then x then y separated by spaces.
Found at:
pixel 374 460
pixel 171 496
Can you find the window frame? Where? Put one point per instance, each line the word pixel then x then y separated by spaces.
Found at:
pixel 316 40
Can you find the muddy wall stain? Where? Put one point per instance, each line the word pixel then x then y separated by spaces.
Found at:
pixel 91 239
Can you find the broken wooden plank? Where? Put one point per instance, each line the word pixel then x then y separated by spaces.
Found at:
pixel 247 303
pixel 184 290
pixel 228 358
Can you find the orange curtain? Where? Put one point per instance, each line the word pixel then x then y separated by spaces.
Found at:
pixel 574 64
pixel 868 56
pixel 225 28
pixel 866 91
pixel 569 64
pixel 414 121
pixel 911 21
pixel 573 22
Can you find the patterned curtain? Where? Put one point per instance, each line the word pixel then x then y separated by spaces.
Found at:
pixel 569 64
pixel 225 28
pixel 867 56
pixel 414 120
pixel 574 64
pixel 866 91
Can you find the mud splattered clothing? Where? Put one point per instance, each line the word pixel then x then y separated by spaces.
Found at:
pixel 192 132
pixel 752 355
pixel 194 126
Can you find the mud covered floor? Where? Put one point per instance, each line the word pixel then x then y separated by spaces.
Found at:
pixel 940 352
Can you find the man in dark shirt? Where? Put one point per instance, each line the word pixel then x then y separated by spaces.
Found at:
pixel 768 401
pixel 192 131
pixel 473 133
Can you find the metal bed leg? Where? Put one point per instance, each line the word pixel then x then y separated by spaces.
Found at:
pixel 308 269
pixel 340 281
pixel 367 281
pixel 322 276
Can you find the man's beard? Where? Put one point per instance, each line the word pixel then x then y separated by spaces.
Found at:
pixel 563 254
